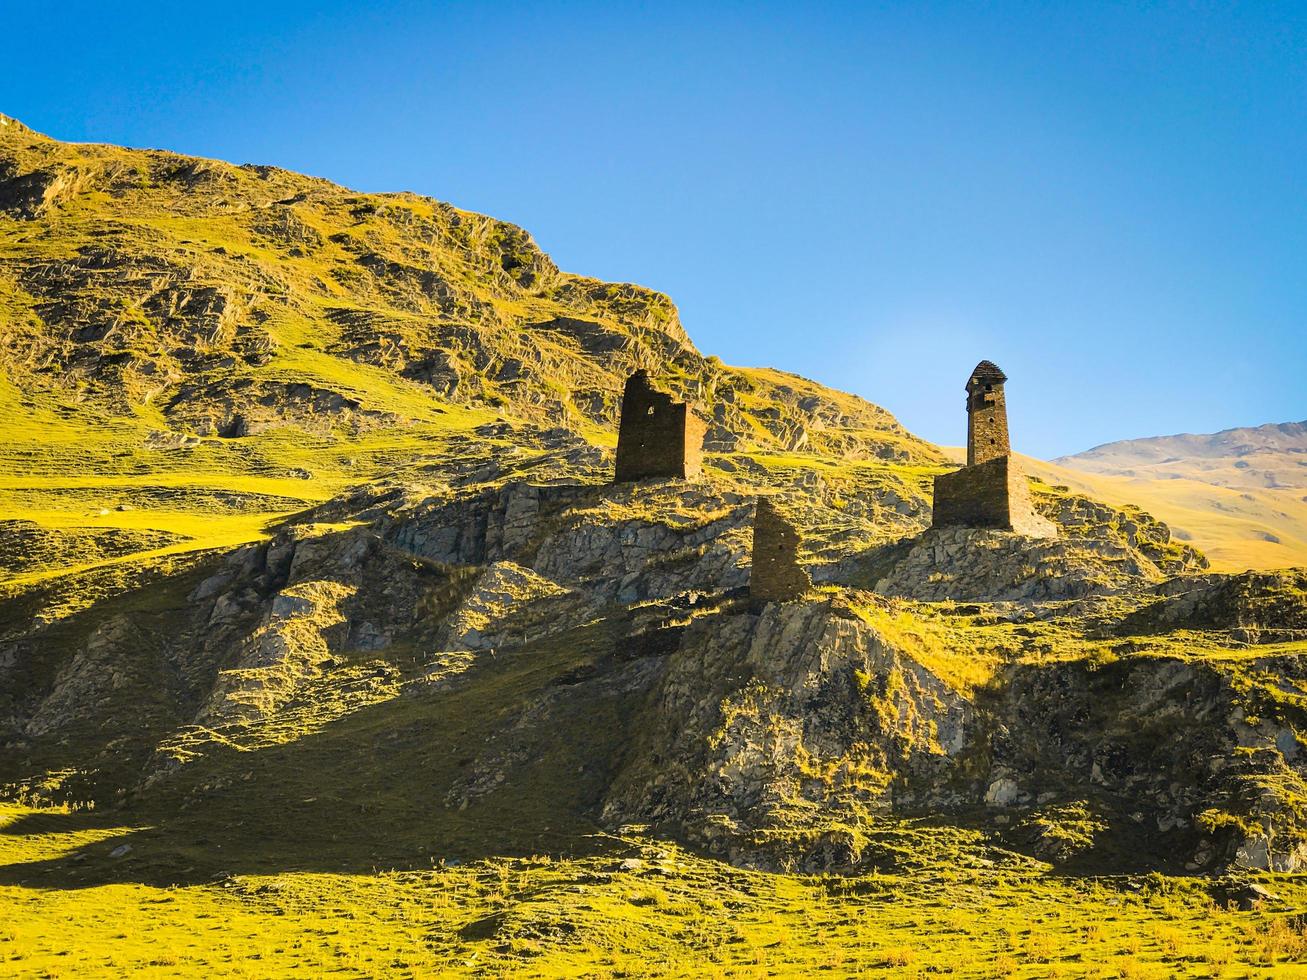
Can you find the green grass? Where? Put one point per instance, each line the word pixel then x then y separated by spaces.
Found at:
pixel 628 907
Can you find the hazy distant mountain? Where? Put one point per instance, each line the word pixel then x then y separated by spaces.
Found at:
pixel 1273 455
pixel 1240 492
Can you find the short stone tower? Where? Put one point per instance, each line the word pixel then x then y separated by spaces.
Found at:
pixel 991 491
pixel 776 575
pixel 657 437
pixel 986 414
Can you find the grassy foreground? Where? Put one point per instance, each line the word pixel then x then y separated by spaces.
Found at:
pixel 624 907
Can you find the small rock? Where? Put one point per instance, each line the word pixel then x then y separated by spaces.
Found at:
pixel 1253 895
pixel 121 850
pixel 1247 895
pixel 1001 792
pixel 1287 742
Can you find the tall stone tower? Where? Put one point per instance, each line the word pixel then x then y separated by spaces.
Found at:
pixel 991 491
pixel 987 436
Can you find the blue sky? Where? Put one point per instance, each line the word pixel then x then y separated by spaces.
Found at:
pixel 1108 199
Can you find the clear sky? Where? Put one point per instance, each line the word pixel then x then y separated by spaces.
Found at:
pixel 1108 199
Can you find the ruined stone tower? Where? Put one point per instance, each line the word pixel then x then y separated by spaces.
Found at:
pixel 776 575
pixel 986 414
pixel 991 491
pixel 657 437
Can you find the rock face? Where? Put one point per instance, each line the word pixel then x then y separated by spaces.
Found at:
pixel 288 647
pixel 968 564
pixel 624 543
pixel 1259 607
pixel 775 574
pixel 509 605
pixel 1174 738
pixel 758 718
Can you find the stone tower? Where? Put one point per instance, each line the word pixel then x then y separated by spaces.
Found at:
pixel 991 491
pixel 986 414
pixel 775 575
pixel 657 438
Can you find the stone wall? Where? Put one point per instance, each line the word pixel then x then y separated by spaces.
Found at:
pixel 657 437
pixel 987 435
pixel 993 494
pixel 776 575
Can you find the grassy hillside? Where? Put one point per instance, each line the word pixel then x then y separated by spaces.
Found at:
pixel 215 346
pixel 1237 528
pixel 327 647
pixel 1239 494
pixel 626 908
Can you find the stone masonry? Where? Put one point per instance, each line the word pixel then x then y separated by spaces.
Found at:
pixel 776 575
pixel 987 436
pixel 657 437
pixel 991 491
pixel 993 494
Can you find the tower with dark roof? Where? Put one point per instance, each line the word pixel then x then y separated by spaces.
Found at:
pixel 991 491
pixel 987 436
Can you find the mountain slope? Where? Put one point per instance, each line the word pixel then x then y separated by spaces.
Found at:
pixel 1267 456
pixel 322 616
pixel 1240 493
pixel 182 336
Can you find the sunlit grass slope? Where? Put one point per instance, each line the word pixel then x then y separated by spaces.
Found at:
pixel 64 473
pixel 628 907
pixel 1236 528
pixel 1241 494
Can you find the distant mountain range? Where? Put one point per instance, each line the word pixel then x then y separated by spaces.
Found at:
pixel 1273 455
pixel 1241 492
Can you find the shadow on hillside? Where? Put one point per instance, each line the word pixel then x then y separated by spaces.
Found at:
pixel 514 756
pixel 442 776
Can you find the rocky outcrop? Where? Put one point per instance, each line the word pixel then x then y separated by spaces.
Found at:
pixel 297 636
pixel 1259 607
pixel 970 564
pixel 1083 518
pixel 786 738
pixel 621 544
pixel 509 605
pixel 802 718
